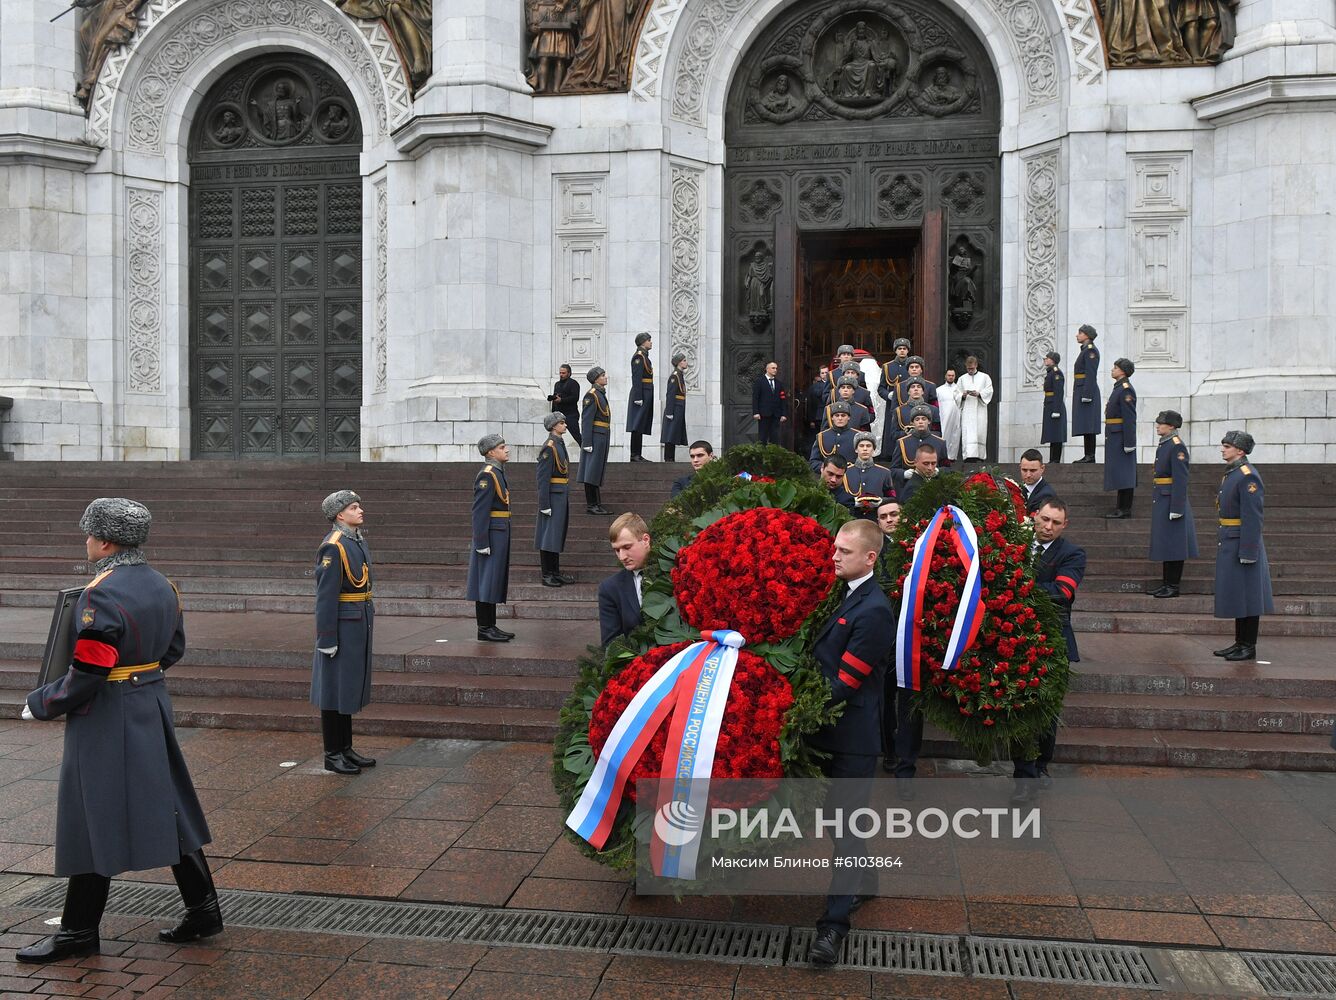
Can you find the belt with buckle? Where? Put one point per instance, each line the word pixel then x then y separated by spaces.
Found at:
pixel 1165 482
pixel 1113 420
pixel 138 674
pixel 1231 522
pixel 500 513
pixel 352 598
pixel 602 423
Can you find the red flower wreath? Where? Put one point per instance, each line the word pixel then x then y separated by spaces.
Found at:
pixel 761 572
pixel 748 744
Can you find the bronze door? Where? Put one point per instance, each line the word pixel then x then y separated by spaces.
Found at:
pixel 276 265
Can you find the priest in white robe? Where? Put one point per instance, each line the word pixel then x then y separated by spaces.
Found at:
pixel 948 413
pixel 976 392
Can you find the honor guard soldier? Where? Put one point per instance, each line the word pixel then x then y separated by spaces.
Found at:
pixel 919 433
pixel 1173 536
pixel 1054 422
pixel 640 409
pixel 846 359
pixel 125 800
pixel 1120 439
pixel 1242 576
pixel 596 429
pixel 674 430
pixel 860 417
pixel 837 439
pixel 1085 390
pixel 915 366
pixel 862 395
pixel 341 667
pixel 489 559
pixel 893 371
pixel 554 501
pixel 866 482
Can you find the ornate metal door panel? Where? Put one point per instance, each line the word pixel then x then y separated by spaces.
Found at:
pixel 276 265
pixel 853 117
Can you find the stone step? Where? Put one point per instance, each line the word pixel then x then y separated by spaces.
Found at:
pixel 1194 624
pixel 1147 748
pixel 1232 713
pixel 1207 676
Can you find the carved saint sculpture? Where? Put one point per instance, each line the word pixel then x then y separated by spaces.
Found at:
pixel 962 290
pixel 228 129
pixel 1142 32
pixel 600 54
pixel 864 74
pixel 281 117
pixel 409 25
pixel 941 91
pixel 780 101
pixel 104 25
pixel 552 30
pixel 758 283
pixel 1207 28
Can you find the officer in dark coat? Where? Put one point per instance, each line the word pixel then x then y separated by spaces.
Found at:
pixel 565 399
pixel 860 417
pixel 1173 536
pixel 1120 439
pixel 125 800
pixel 596 426
pixel 919 433
pixel 554 507
pixel 1085 390
pixel 489 556
pixel 640 408
pixel 674 430
pixel 853 650
pixel 344 614
pixel 770 404
pixel 866 482
pixel 1242 576
pixel 837 439
pixel 893 371
pixel 1054 420
pixel 862 395
pixel 916 367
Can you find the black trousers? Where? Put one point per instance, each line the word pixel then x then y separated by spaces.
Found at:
pixel 593 496
pixel 86 895
pixel 1023 768
pixel 851 789
pixel 1173 572
pixel 908 734
pixel 1055 451
pixel 550 562
pixel 1246 629
pixel 637 444
pixel 769 430
pixel 573 425
pixel 1089 445
pixel 1125 499
pixel 484 614
pixel 669 452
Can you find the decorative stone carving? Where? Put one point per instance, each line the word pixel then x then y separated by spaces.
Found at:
pixel 580 267
pixel 381 331
pixel 865 64
pixel 962 285
pixel 900 197
pixel 653 46
pixel 408 23
pixel 688 264
pixel 1160 33
pixel 966 194
pixel 1039 277
pixel 1159 232
pixel 582 46
pixel 820 199
pixel 760 200
pixel 1084 40
pixel 183 41
pixel 104 25
pixel 758 284
pixel 144 267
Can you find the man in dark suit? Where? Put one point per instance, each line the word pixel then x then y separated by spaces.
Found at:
pixel 565 399
pixel 1059 568
pixel 1033 484
pixel 770 403
pixel 814 406
pixel 908 481
pixel 701 454
pixel 853 650
pixel 619 596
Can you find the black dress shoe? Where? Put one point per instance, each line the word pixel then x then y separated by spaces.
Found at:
pixel 598 508
pixel 639 458
pixel 64 944
pixel 204 920
pixel 508 635
pixel 340 764
pixel 1227 650
pixel 551 581
pixel 493 634
pixel 888 764
pixel 1167 590
pixel 859 900
pixel 1083 461
pixel 1117 515
pixel 1242 653
pixel 826 948
pixel 353 757
pixel 565 578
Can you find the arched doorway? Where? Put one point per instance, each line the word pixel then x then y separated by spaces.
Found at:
pixel 862 189
pixel 276 264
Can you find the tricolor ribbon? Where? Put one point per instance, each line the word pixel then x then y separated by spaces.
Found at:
pixel 969 613
pixel 693 688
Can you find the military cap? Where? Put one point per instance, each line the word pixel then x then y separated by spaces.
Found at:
pixel 847 380
pixel 915 380
pixel 1055 357
pixel 922 410
pixel 595 374
pixel 840 407
pixel 641 338
pixel 901 342
pixel 914 359
pixel 551 420
pixel 1241 440
pixel 116 520
pixel 489 441
pixel 844 349
pixel 1171 417
pixel 862 436
pixel 1126 365
pixel 1088 330
pixel 678 358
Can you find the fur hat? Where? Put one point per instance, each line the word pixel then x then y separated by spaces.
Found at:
pixel 594 374
pixel 847 380
pixel 844 349
pixel 862 436
pixel 840 407
pixel 902 342
pixel 922 410
pixel 334 504
pixel 1088 330
pixel 551 420
pixel 915 381
pixel 489 441
pixel 641 338
pixel 914 359
pixel 117 520
pixel 1057 358
pixel 1126 365
pixel 678 358
pixel 1241 440
pixel 1171 417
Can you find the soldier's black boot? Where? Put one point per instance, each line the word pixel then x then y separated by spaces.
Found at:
pixel 1055 452
pixel 203 917
pixel 546 560
pixel 85 899
pixel 1173 575
pixel 1246 648
pixel 637 447
pixel 1089 450
pixel 670 453
pixel 598 507
pixel 556 569
pixel 349 754
pixel 331 728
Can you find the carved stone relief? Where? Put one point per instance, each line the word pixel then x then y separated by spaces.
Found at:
pixel 1161 33
pixel 281 108
pixel 900 196
pixel 1039 277
pixel 821 198
pixel 963 263
pixel 104 25
pixel 758 286
pixel 582 46
pixel 688 264
pixel 1084 41
pixel 408 23
pixel 380 348
pixel 761 199
pixel 1159 232
pixel 580 269
pixel 144 267
pixel 653 46
pixel 965 192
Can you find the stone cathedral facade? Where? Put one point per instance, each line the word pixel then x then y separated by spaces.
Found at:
pixel 314 229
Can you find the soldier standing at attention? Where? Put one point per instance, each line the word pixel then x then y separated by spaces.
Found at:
pixel 1054 421
pixel 1173 536
pixel 866 482
pixel 341 671
pixel 674 430
pixel 554 502
pixel 489 559
pixel 596 429
pixel 640 409
pixel 1085 390
pixel 893 371
pixel 1242 576
pixel 125 801
pixel 837 439
pixel 1120 439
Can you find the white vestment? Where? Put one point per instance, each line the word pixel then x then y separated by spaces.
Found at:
pixel 948 412
pixel 872 374
pixel 974 414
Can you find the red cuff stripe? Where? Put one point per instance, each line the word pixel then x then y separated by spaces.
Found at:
pixel 94 653
pixel 1067 591
pixel 861 666
pixel 853 682
pixel 1066 581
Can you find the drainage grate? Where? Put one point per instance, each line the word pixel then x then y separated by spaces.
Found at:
pixel 1294 975
pixel 382 919
pixel 1058 962
pixel 884 951
pixel 534 928
pixel 761 944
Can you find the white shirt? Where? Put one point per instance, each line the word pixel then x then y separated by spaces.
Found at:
pixel 855 584
pixel 638 574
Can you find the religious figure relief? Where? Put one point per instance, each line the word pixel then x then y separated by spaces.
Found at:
pixel 552 29
pixel 333 121
pixel 281 118
pixel 104 25
pixel 779 102
pixel 758 284
pixel 596 38
pixel 962 290
pixel 1168 32
pixel 228 127
pixel 408 23
pixel 864 71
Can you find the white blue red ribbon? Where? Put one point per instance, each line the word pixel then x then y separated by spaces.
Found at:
pixel 969 613
pixel 693 688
